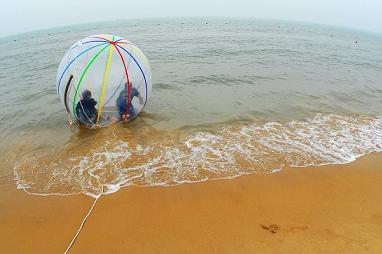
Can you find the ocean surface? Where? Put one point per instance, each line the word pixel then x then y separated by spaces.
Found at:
pixel 230 97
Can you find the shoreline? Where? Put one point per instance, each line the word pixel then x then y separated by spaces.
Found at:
pixel 325 209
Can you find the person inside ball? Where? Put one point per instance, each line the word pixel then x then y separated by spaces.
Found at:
pixel 86 110
pixel 122 104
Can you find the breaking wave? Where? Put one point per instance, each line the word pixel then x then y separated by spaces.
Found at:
pixel 177 157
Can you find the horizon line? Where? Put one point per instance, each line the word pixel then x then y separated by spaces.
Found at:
pixel 193 17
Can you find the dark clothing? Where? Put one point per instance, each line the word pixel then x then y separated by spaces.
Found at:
pixel 86 111
pixel 122 104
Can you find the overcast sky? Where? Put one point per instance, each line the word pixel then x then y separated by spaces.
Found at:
pixel 18 16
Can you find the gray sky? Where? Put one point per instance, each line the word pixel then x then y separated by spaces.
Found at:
pixel 18 16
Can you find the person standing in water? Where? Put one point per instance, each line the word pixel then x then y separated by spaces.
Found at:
pixel 86 110
pixel 122 103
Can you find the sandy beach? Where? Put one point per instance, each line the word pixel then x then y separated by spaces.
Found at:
pixel 327 209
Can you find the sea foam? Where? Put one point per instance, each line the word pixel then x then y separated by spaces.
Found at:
pixel 224 152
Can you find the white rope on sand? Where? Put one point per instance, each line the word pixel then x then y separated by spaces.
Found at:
pixel 83 222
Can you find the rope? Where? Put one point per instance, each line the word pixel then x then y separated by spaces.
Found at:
pixel 83 222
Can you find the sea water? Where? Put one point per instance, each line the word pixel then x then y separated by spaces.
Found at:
pixel 230 97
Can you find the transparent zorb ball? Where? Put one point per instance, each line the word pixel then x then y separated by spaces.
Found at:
pixel 104 79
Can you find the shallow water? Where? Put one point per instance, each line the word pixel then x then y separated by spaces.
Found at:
pixel 230 97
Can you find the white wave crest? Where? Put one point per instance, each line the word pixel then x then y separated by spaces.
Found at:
pixel 220 153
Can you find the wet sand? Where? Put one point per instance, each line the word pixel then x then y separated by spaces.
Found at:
pixel 328 209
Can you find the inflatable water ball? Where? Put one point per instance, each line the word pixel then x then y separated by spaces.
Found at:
pixel 104 79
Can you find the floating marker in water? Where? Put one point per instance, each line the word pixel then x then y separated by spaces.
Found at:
pixel 115 72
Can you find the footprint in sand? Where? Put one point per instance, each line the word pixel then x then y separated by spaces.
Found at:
pixel 273 228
